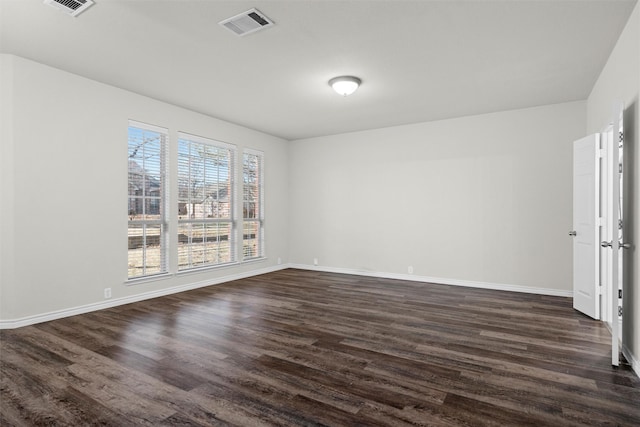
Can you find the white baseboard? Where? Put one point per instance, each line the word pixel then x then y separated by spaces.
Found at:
pixel 53 315
pixel 59 314
pixel 438 280
pixel 633 361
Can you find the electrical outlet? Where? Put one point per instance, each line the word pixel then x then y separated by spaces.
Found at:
pixel 107 293
pixel 410 269
pixel 279 260
pixel 315 261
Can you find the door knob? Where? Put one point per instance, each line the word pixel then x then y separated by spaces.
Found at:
pixel 605 244
pixel 572 233
pixel 624 245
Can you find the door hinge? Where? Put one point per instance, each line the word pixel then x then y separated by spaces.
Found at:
pixel 620 168
pixel 619 311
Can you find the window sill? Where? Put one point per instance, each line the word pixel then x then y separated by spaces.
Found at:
pixel 145 279
pixel 256 259
pixel 197 270
pixel 207 268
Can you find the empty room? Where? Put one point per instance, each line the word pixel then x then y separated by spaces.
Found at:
pixel 312 212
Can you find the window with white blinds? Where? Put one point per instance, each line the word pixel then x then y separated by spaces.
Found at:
pixel 206 227
pixel 252 205
pixel 147 229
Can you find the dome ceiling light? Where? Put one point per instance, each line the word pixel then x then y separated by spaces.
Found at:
pixel 345 85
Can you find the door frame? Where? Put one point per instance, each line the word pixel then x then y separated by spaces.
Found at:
pixel 606 234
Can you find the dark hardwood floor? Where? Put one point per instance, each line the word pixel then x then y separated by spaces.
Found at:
pixel 307 348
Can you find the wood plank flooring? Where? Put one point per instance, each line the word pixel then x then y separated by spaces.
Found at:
pixel 298 348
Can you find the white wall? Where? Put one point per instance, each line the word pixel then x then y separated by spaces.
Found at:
pixel 64 189
pixel 484 199
pixel 620 82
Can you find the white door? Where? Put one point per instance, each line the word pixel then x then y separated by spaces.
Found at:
pixel 586 190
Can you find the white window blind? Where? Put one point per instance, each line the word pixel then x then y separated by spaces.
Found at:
pixel 252 205
pixel 206 228
pixel 147 254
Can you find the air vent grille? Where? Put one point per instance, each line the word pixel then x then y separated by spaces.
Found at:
pixel 70 7
pixel 247 22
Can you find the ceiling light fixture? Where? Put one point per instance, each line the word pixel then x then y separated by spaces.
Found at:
pixel 345 85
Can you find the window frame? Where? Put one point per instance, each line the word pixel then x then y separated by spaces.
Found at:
pixel 189 245
pixel 259 217
pixel 159 201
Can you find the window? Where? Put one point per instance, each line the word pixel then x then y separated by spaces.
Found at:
pixel 206 227
pixel 252 205
pixel 147 253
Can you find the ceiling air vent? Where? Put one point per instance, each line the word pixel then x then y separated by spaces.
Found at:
pixel 248 22
pixel 70 7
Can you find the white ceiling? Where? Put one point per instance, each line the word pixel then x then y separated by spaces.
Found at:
pixel 419 60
